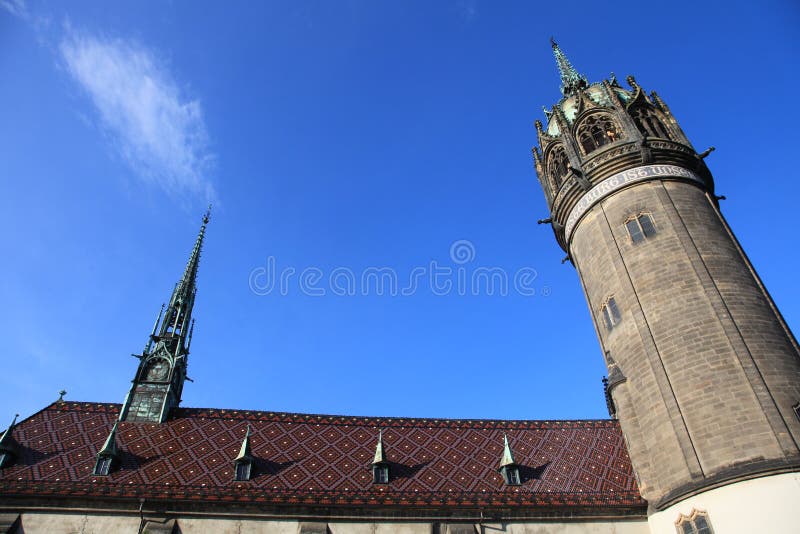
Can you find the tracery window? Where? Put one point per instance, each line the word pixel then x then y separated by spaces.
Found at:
pixel 648 123
pixel 557 167
pixel 640 227
pixel 696 523
pixel 595 131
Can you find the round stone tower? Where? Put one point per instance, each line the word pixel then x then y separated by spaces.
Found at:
pixel 703 372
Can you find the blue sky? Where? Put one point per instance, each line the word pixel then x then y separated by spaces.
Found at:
pixel 346 135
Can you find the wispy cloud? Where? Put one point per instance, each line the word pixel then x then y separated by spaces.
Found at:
pixel 15 7
pixel 156 128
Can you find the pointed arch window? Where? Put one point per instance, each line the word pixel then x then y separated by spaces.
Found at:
pixel 611 315
pixel 648 123
pixel 695 523
pixel 595 131
pixel 557 167
pixel 640 227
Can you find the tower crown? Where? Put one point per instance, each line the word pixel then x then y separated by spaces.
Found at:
pixel 597 130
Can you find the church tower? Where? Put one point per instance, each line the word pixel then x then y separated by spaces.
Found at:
pixel 158 383
pixel 704 374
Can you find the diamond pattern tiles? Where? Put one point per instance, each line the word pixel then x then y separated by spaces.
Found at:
pixel 322 460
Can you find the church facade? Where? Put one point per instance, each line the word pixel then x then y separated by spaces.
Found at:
pixel 703 389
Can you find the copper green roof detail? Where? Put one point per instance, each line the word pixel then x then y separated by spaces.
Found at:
pixel 508 456
pixel 109 448
pixel 244 451
pixel 571 80
pixel 380 455
pixel 6 441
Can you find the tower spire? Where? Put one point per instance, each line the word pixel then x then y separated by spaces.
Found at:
pixel 158 383
pixel 571 80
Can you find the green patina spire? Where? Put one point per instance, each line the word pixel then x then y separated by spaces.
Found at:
pixel 110 446
pixel 6 439
pixel 380 455
pixel 571 80
pixel 244 451
pixel 508 456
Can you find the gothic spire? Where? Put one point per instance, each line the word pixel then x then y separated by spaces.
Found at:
pixel 158 384
pixel 571 80
pixel 180 305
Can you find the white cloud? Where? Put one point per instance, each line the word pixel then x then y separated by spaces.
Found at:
pixel 15 7
pixel 158 130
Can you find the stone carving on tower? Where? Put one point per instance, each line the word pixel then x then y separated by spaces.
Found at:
pixel 703 370
pixel 158 383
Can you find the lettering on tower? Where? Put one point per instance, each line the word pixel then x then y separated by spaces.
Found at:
pixel 618 181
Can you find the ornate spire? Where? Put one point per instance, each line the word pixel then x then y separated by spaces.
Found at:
pixel 508 456
pixel 571 80
pixel 158 384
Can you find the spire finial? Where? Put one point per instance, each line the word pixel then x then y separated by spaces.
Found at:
pixel 571 80
pixel 61 395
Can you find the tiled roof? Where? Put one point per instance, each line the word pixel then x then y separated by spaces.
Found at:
pixel 322 460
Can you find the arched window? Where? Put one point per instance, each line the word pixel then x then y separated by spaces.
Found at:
pixel 695 523
pixel 557 167
pixel 596 131
pixel 648 123
pixel 640 227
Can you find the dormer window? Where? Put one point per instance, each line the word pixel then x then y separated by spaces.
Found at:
pixel 511 475
pixel 380 474
pixel 108 456
pixel 380 466
pixel 103 465
pixel 243 470
pixel 243 463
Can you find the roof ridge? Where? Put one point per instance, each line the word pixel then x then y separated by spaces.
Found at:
pixel 228 413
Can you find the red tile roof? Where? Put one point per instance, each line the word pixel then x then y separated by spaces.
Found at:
pixel 323 460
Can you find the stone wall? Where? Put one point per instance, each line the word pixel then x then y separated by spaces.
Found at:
pixel 711 373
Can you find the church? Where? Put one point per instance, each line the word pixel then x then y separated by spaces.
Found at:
pixel 703 390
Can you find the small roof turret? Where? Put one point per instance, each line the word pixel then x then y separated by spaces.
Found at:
pixel 508 456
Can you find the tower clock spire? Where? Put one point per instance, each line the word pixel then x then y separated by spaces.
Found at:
pixel 158 383
pixel 571 80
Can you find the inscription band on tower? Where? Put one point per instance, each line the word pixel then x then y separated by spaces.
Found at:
pixel 618 181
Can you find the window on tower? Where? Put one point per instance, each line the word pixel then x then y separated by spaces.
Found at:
pixel 648 123
pixel 611 315
pixel 695 523
pixel 595 131
pixel 640 227
pixel 557 167
pixel 796 409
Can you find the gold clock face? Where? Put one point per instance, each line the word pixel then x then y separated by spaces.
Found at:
pixel 157 370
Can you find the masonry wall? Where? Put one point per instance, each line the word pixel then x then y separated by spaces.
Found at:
pixel 50 523
pixel 711 373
